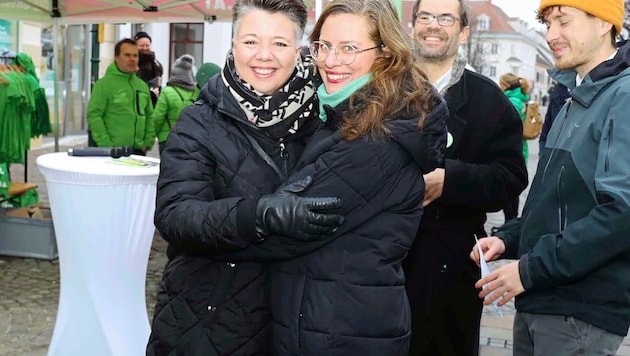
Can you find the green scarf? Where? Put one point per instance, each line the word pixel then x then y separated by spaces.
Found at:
pixel 336 98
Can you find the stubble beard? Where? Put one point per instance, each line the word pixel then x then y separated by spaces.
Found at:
pixel 432 55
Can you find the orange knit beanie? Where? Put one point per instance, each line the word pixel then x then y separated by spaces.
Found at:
pixel 608 10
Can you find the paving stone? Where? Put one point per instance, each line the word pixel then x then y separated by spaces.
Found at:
pixel 30 288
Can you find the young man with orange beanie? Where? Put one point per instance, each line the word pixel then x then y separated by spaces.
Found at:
pixel 572 277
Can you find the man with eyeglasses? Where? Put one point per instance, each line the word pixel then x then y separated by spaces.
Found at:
pixel 484 171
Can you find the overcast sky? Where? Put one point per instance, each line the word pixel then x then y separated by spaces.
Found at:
pixel 524 9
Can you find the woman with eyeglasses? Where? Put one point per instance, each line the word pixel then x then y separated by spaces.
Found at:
pixel 384 125
pixel 216 194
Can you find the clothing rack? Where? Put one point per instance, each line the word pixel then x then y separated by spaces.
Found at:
pixel 4 61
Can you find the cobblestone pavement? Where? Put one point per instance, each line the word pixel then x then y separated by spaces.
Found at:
pixel 29 288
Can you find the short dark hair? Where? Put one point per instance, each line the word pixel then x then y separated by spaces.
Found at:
pixel 294 9
pixel 463 12
pixel 142 34
pixel 122 42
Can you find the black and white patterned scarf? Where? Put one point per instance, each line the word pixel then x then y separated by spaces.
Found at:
pixel 290 106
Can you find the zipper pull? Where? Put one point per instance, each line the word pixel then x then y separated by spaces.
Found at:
pixel 283 152
pixel 284 155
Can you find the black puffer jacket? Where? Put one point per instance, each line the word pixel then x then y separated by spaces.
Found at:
pixel 210 179
pixel 348 297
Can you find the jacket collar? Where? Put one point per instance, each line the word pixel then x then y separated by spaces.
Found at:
pixel 457 96
pixel 113 69
pixel 598 78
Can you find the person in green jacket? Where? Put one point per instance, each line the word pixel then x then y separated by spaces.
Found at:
pixel 181 90
pixel 517 90
pixel 120 109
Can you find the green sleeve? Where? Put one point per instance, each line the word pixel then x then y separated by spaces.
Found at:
pixel 160 112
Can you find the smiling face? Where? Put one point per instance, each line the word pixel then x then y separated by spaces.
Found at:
pixel 144 45
pixel 439 43
pixel 265 50
pixel 576 40
pixel 339 30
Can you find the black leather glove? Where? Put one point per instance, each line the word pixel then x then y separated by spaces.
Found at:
pixel 287 214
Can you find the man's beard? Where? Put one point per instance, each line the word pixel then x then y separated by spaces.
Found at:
pixel 436 55
pixel 431 56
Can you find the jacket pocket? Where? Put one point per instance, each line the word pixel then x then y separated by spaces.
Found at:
pixel 372 311
pixel 609 136
pixel 287 294
pixel 142 100
pixel 562 205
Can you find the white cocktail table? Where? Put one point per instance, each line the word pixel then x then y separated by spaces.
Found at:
pixel 103 217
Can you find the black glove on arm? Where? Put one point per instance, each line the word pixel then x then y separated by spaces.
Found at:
pixel 287 214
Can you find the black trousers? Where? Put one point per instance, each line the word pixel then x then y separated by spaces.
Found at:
pixel 445 306
pixel 511 210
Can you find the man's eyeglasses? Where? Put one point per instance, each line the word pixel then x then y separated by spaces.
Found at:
pixel 426 18
pixel 345 53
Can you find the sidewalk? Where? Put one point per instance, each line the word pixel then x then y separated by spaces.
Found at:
pixel 29 289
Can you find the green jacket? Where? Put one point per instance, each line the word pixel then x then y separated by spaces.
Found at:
pixel 171 102
pixel 120 111
pixel 519 100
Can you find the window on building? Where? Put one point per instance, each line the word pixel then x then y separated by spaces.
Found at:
pixel 483 23
pixel 493 71
pixel 495 48
pixel 515 69
pixel 186 38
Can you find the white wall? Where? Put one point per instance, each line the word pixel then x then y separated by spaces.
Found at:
pixel 217 41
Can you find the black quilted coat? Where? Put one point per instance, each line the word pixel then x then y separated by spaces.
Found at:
pixel 211 176
pixel 348 297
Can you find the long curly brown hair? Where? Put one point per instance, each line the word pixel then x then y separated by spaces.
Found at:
pixel 398 86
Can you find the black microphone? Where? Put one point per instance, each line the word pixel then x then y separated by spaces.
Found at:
pixel 114 152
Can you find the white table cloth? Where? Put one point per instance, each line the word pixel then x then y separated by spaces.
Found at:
pixel 103 217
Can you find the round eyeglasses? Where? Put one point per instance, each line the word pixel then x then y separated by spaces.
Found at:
pixel 426 18
pixel 345 53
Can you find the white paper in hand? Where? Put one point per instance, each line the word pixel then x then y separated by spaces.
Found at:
pixel 484 271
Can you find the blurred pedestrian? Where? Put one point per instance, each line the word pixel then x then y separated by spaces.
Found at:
pixel 119 112
pixel 205 72
pixel 572 280
pixel 149 68
pixel 517 90
pixel 180 91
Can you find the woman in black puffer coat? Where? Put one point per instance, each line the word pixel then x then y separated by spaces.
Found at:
pixel 348 297
pixel 221 164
